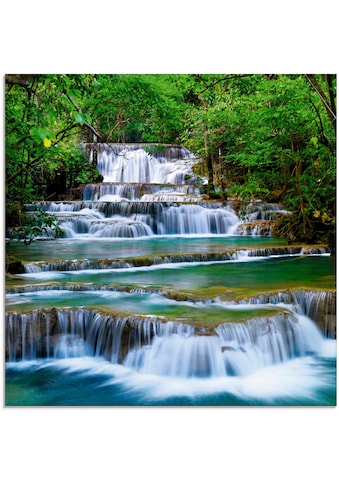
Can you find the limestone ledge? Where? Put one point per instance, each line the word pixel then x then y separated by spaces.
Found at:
pixel 16 267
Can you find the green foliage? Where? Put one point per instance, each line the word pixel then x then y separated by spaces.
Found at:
pixel 267 136
pixel 249 190
pixel 35 225
pixel 84 173
pixel 135 108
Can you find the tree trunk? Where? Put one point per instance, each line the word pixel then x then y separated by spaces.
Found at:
pixel 208 154
pixel 328 101
pixel 332 91
pixel 95 148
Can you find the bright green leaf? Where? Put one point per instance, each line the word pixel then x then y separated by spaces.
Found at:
pixel 38 134
pixel 88 119
pixel 79 117
pixel 314 141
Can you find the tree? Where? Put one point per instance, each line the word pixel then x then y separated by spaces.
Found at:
pixel 272 137
pixel 42 137
pixel 268 136
pixel 328 98
pixel 135 108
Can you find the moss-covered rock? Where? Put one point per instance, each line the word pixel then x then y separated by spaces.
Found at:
pixel 13 265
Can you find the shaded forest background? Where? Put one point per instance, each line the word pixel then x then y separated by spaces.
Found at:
pixel 258 136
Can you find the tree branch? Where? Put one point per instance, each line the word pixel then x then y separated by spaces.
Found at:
pixel 61 134
pixel 71 100
pixel 327 104
pixel 323 138
pixel 224 78
pixel 114 127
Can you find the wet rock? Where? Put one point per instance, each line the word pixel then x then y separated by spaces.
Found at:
pixel 14 266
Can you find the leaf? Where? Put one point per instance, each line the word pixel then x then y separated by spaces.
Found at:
pixel 74 93
pixel 39 134
pixel 47 142
pixel 314 141
pixel 52 117
pixel 87 119
pixel 79 117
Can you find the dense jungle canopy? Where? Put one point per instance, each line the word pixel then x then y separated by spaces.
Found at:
pixel 258 136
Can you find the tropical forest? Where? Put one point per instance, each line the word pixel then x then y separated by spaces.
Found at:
pixel 170 239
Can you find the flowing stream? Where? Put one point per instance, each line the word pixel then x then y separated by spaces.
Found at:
pixel 157 296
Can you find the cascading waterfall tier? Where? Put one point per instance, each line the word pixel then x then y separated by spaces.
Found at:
pixel 147 191
pixel 139 219
pixel 152 190
pixel 139 163
pixel 259 210
pixel 73 333
pixel 152 345
pixel 138 191
pixel 205 257
pixel 258 218
pixel 184 326
pixel 320 306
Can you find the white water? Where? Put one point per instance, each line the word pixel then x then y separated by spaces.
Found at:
pixel 171 349
pixel 154 188
pixel 127 164
pixel 137 191
pixel 290 381
pixel 295 381
pixel 147 219
pixel 238 350
pixel 143 195
pixel 120 227
pixel 306 380
pixel 55 269
pixel 147 196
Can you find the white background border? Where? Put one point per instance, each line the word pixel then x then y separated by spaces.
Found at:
pixel 168 445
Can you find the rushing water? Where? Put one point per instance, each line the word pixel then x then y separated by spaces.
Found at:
pixel 307 381
pixel 155 298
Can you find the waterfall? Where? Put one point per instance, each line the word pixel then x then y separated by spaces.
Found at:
pixel 186 323
pixel 262 342
pixel 152 345
pixel 238 350
pixel 120 227
pixel 147 191
pixel 151 190
pixel 179 355
pixel 133 262
pixel 320 306
pixel 155 187
pixel 258 210
pixel 258 218
pixel 137 191
pixel 142 164
pixel 73 333
pixel 257 228
pixel 125 218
